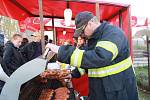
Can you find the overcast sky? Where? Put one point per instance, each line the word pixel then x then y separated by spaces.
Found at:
pixel 139 8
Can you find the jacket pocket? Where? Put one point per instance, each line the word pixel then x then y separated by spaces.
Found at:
pixel 113 82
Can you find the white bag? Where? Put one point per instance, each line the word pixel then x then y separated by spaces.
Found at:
pixel 3 76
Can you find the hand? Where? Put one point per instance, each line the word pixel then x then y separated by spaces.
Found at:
pixel 69 76
pixel 53 47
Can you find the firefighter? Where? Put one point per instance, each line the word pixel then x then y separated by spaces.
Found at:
pixel 108 60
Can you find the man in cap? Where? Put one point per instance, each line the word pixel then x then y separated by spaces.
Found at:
pixel 107 59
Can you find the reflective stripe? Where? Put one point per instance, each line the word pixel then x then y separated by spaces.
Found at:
pixel 109 46
pixel 110 70
pixel 82 71
pixel 76 57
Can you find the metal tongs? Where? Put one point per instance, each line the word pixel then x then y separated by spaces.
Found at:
pixel 48 54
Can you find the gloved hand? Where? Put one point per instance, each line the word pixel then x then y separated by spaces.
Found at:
pixel 69 76
pixel 53 47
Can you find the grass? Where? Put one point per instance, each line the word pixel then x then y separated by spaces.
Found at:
pixel 142 77
pixel 142 82
pixel 143 95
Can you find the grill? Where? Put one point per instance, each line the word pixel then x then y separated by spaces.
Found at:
pixel 47 89
pixel 26 83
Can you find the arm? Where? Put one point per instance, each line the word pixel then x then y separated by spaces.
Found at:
pixel 104 53
pixel 24 51
pixel 7 57
pixel 77 72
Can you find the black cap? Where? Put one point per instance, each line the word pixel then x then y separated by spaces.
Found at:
pixel 81 20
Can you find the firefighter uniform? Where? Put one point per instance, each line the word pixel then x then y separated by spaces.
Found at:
pixel 108 62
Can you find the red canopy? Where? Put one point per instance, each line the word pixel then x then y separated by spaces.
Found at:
pixel 20 9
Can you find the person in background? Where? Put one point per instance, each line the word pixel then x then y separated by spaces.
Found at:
pixel 12 58
pixel 81 42
pixel 24 42
pixel 50 41
pixel 46 39
pixel 79 75
pixel 107 59
pixel 75 40
pixel 1 45
pixel 1 52
pixel 33 49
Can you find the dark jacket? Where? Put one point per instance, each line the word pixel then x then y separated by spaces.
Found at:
pixel 1 52
pixel 12 58
pixel 31 50
pixel 120 86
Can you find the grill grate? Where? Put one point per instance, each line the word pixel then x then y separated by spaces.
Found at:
pixel 33 89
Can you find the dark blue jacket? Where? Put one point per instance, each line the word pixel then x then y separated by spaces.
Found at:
pixel 75 73
pixel 121 86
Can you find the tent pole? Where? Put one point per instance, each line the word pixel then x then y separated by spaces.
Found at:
pixel 129 34
pixel 54 33
pixel 147 39
pixel 97 10
pixel 41 24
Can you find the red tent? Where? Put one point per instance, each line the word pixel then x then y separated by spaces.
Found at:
pixel 118 14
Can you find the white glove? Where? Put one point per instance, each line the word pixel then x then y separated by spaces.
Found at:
pixel 53 47
pixel 67 77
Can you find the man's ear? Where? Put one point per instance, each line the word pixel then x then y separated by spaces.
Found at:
pixel 90 24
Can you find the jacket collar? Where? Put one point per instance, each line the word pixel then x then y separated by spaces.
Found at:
pixel 10 44
pixel 99 31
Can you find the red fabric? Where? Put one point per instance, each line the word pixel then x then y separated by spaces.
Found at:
pixel 61 38
pixel 133 21
pixel 115 20
pixel 32 23
pixel 81 85
pixel 126 19
pixel 7 8
pixel 55 8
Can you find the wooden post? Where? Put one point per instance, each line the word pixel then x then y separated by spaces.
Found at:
pixel 147 39
pixel 97 10
pixel 54 33
pixel 129 34
pixel 41 24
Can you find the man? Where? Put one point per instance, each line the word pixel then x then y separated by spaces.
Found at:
pixel 32 49
pixel 46 39
pixel 12 58
pixel 24 42
pixel 107 59
pixel 1 52
pixel 1 46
